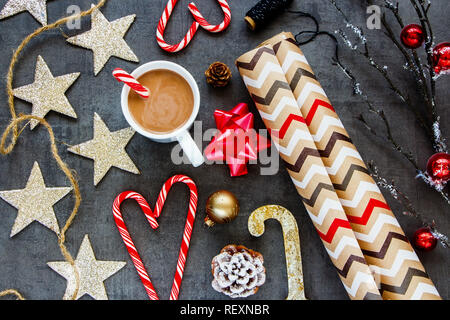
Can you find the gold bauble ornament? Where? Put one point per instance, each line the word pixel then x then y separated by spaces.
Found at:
pixel 221 207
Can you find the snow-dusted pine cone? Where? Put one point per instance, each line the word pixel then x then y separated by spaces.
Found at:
pixel 238 272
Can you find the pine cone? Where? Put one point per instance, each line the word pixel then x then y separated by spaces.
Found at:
pixel 218 74
pixel 238 272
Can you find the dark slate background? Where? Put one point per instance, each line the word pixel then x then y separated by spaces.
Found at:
pixel 23 258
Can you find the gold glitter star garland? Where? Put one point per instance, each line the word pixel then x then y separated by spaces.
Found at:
pixel 107 149
pixel 92 272
pixel 37 8
pixel 105 39
pixel 35 202
pixel 47 92
pixel 14 130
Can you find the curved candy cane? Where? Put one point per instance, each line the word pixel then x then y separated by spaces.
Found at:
pixel 151 217
pixel 137 261
pixel 187 228
pixel 205 24
pixel 291 244
pixel 162 26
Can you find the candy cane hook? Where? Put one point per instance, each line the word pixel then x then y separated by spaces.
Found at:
pixel 291 244
pixel 205 24
pixel 162 26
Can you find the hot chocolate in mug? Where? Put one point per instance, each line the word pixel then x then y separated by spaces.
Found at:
pixel 171 109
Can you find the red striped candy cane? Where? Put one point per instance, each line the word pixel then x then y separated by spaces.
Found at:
pixel 151 217
pixel 205 24
pixel 187 228
pixel 137 261
pixel 123 76
pixel 162 26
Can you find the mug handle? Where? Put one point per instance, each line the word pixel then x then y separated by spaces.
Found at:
pixel 190 148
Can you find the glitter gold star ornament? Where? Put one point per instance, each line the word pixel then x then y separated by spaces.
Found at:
pixel 107 149
pixel 105 39
pixel 92 273
pixel 37 8
pixel 47 93
pixel 35 202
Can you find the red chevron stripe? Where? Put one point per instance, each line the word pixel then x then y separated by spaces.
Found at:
pixel 373 203
pixel 314 108
pixel 337 223
pixel 287 123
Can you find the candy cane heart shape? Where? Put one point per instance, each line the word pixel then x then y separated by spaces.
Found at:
pixel 205 24
pixel 151 217
pixel 162 26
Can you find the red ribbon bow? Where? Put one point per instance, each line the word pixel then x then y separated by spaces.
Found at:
pixel 237 142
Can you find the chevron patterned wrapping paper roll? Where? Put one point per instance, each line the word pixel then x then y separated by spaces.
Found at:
pixel 387 250
pixel 275 101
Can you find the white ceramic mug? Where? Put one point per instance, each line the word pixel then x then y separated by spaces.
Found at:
pixel 181 134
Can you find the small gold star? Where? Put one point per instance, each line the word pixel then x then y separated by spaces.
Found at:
pixel 37 8
pixel 92 272
pixel 105 39
pixel 35 202
pixel 47 92
pixel 107 149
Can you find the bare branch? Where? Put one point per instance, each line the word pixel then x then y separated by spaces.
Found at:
pixel 403 199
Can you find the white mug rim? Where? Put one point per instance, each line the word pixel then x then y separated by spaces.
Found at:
pixel 162 65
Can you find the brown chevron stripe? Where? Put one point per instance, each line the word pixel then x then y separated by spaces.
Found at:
pixel 348 177
pixel 371 296
pixel 349 263
pixel 306 152
pixel 412 272
pixel 298 75
pixel 276 46
pixel 335 137
pixel 321 186
pixel 384 248
pixel 292 41
pixel 251 65
pixel 267 100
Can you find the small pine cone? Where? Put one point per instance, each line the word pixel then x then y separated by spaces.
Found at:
pixel 218 74
pixel 238 272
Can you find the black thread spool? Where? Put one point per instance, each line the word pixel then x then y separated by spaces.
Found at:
pixel 264 11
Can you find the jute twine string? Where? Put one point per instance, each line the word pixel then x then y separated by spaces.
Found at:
pixel 13 130
pixel 12 292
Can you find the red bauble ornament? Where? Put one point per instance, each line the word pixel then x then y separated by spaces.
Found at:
pixel 424 239
pixel 441 58
pixel 412 36
pixel 438 166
